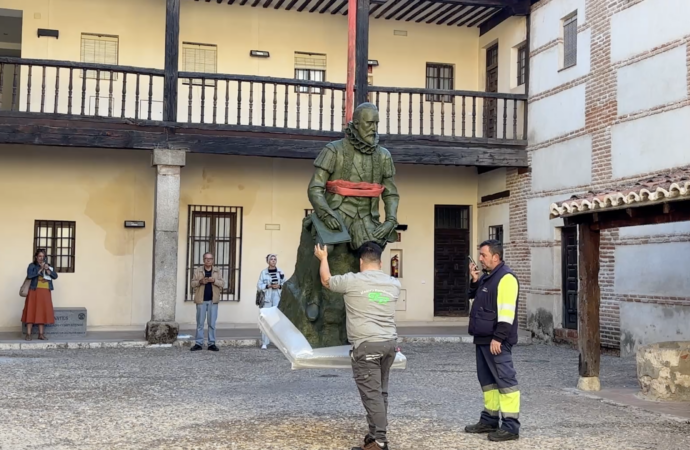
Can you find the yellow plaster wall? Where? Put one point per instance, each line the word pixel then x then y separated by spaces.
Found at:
pixel 100 189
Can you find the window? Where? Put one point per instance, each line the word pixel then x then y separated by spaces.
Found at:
pixel 521 64
pixel 99 49
pixel 57 237
pixel 439 76
pixel 570 41
pixel 200 58
pixel 496 232
pixel 216 229
pixel 310 67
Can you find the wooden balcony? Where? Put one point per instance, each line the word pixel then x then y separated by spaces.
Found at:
pixel 61 103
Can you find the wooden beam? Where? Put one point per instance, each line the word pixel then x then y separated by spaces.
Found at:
pixel 495 21
pixel 95 133
pixel 517 7
pixel 362 52
pixel 351 59
pixel 589 300
pixel 407 9
pixel 496 196
pixel 172 57
pixel 480 19
pixel 528 39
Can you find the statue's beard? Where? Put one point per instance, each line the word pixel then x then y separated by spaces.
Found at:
pixel 361 143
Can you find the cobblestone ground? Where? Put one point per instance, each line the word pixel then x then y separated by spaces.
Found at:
pixel 246 398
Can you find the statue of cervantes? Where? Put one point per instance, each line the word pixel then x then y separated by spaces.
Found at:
pixel 350 177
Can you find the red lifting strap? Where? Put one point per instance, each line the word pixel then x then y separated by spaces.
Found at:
pixel 352 189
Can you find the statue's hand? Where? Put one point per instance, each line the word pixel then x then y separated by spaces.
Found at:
pixel 331 222
pixel 383 230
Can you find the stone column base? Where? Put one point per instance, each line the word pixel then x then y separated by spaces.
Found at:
pixel 589 384
pixel 162 332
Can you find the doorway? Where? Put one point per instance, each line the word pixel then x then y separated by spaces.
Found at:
pixel 451 248
pixel 491 104
pixel 569 268
pixel 10 46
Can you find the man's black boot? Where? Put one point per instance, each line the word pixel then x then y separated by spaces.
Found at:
pixel 213 348
pixel 480 427
pixel 196 347
pixel 502 435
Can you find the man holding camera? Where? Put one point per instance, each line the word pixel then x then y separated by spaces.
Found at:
pixel 494 327
pixel 206 283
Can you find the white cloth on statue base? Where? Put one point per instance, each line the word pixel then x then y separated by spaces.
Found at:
pixel 289 340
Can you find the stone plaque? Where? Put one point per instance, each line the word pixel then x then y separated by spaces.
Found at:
pixel 69 322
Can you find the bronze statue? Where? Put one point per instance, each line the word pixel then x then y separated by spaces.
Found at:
pixel 349 178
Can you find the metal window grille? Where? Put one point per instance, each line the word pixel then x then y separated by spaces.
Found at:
pixel 307 212
pixel 216 229
pixel 310 67
pixel 570 41
pixel 521 64
pixel 99 49
pixel 496 232
pixel 452 217
pixel 439 76
pixel 200 58
pixel 309 75
pixel 57 238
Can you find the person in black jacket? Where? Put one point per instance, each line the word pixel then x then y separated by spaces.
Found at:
pixel 494 327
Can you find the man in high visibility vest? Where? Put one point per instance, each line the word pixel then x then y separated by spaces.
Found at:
pixel 495 329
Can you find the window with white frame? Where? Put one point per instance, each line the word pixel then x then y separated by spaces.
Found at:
pixel 99 49
pixel 310 67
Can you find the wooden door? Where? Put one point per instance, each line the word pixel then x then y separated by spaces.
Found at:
pixel 451 247
pixel 570 276
pixel 491 105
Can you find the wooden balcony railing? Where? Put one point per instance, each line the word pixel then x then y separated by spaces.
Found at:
pixel 78 88
pixel 98 90
pixel 261 101
pixel 464 114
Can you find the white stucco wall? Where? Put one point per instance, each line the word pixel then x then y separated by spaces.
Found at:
pixel 556 115
pixel 539 227
pixel 645 269
pixel 647 25
pixel 652 82
pixel 636 145
pixel 546 73
pixel 655 230
pixel 648 323
pixel 546 21
pixel 545 267
pixel 563 165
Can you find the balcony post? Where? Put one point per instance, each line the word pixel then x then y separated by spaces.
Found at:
pixel 362 52
pixel 172 57
pixel 351 38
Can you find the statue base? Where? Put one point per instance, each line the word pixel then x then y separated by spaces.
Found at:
pixel 316 312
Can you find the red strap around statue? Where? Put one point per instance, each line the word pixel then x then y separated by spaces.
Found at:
pixel 352 189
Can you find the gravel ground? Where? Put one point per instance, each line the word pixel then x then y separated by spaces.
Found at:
pixel 245 398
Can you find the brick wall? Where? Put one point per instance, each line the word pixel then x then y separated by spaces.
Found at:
pixel 600 115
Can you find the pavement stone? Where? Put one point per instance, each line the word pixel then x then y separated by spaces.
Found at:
pixel 245 398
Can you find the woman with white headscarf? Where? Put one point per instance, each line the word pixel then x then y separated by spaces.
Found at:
pixel 271 283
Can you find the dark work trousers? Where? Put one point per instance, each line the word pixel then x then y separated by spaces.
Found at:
pixel 371 365
pixel 501 393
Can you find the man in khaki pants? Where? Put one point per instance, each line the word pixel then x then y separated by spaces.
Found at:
pixel 207 283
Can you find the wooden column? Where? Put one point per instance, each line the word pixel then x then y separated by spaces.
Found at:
pixel 172 57
pixel 351 44
pixel 589 300
pixel 362 52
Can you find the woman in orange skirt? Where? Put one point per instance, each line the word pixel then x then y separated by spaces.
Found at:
pixel 38 307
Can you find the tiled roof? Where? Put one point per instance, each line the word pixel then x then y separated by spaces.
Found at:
pixel 660 189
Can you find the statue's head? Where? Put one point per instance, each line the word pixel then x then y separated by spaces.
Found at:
pixel 365 120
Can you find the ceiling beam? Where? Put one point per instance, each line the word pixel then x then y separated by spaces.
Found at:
pixel 517 7
pixel 495 21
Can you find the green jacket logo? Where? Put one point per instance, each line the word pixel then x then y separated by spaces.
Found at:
pixel 378 298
